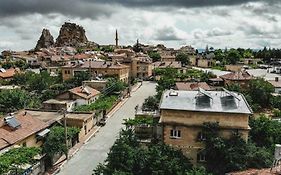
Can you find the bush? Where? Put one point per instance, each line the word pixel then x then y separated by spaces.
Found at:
pixel 103 103
pixel 17 157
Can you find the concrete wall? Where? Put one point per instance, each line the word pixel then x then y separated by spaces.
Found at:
pixel 205 63
pixel 84 126
pixel 30 141
pixel 233 68
pixel 193 61
pixel 67 73
pixel 278 90
pixel 198 118
pixel 98 85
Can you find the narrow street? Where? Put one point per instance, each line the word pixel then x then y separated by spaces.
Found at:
pixel 95 151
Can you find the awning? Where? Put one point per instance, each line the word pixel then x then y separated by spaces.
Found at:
pixel 43 133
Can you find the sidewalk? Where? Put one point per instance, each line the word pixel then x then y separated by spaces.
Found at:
pixel 72 151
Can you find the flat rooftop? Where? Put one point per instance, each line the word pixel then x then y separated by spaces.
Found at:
pixel 205 101
pixel 53 116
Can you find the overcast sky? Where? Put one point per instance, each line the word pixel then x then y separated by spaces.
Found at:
pixel 218 23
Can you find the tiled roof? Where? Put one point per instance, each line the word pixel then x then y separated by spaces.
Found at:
pixel 9 73
pixel 189 86
pixel 164 64
pixel 85 92
pixel 81 56
pixel 237 76
pixel 103 64
pixel 29 126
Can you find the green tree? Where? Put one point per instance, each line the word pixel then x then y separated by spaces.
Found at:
pixel 12 160
pixel 77 80
pixel 233 56
pixel 115 85
pixel 155 56
pixel 260 92
pixel 55 141
pixel 151 103
pixel 183 58
pixel 265 132
pixel 275 102
pixel 247 54
pixel 128 157
pixel 12 100
pixel 219 55
pixel 233 154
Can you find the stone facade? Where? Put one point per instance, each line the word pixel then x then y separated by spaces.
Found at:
pixel 190 124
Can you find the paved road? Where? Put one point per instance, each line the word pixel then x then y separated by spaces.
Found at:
pixel 95 151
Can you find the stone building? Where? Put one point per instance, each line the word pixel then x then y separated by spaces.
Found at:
pixel 97 69
pixel 183 113
pixel 242 78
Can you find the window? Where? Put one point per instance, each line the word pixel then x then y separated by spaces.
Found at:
pixel 201 136
pixel 174 133
pixel 201 156
pixel 65 71
pixel 24 144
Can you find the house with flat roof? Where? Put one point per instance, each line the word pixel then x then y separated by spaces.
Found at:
pixel 183 114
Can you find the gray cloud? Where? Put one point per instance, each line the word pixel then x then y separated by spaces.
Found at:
pixel 218 32
pixel 84 9
pixel 179 3
pixel 167 34
pixel 95 8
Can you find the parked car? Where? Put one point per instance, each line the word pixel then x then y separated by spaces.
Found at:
pixel 102 122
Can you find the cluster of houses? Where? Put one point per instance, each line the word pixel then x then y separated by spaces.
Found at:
pixel 181 114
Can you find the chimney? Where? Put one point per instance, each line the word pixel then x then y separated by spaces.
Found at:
pixel 276 79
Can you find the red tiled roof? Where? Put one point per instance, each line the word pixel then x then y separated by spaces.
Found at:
pixel 103 64
pixel 164 64
pixel 29 126
pixel 237 76
pixel 82 56
pixel 189 86
pixel 85 92
pixel 9 73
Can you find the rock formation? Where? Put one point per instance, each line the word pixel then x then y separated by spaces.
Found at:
pixel 71 35
pixel 46 40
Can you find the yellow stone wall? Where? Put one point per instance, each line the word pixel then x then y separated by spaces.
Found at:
pixel 191 124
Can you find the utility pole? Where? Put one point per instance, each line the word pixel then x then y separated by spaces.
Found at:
pixel 65 133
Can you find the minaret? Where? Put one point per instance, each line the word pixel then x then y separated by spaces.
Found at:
pixel 116 39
